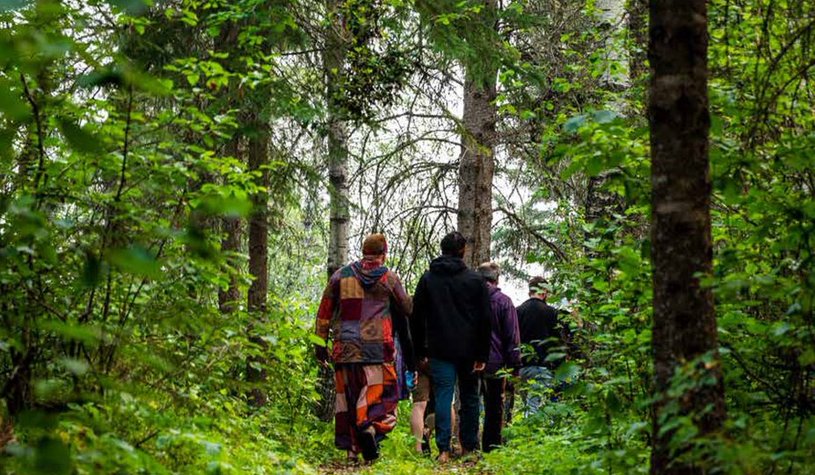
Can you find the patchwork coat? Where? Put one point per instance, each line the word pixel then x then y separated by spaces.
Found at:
pixel 362 307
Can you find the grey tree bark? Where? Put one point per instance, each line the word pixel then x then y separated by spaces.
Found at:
pixel 638 38
pixel 600 203
pixel 333 60
pixel 611 15
pixel 333 56
pixel 684 327
pixel 477 159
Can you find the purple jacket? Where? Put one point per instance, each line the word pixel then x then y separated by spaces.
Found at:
pixel 505 339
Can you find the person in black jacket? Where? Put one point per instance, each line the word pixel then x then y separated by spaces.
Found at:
pixel 451 328
pixel 542 327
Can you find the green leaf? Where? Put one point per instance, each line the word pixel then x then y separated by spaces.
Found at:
pixel 72 332
pixel 555 356
pixel 780 328
pixel 574 124
pixel 74 366
pixel 605 116
pixel 807 358
pixel 101 78
pixel 316 340
pixel 79 139
pixel 6 140
pixel 225 205
pixel 567 371
pixel 92 271
pixel 52 457
pixel 136 260
pixel 131 7
pixel 595 165
pixel 12 105
pixel 8 5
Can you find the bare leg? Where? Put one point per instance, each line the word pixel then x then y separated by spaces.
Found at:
pixel 417 423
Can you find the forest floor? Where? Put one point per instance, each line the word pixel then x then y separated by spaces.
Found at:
pixel 398 457
pixel 406 466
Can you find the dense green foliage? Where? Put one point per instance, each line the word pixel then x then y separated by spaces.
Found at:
pixel 123 125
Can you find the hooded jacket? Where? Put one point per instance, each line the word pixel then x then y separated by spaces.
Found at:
pixel 505 342
pixel 363 306
pixel 451 313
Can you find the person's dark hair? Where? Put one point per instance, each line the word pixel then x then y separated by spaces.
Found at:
pixel 537 285
pixel 490 271
pixel 453 244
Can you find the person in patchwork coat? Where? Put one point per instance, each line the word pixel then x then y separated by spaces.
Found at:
pixel 364 306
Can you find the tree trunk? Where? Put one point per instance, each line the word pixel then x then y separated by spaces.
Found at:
pixel 684 319
pixel 601 203
pixel 638 38
pixel 258 152
pixel 610 16
pixel 477 159
pixel 333 60
pixel 231 226
pixel 17 390
pixel 333 57
pixel 231 244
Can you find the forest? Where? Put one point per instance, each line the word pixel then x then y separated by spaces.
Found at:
pixel 180 178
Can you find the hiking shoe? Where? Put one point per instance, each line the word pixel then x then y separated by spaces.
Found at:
pixel 367 442
pixel 470 457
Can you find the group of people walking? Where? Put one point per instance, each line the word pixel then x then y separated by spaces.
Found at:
pixel 458 337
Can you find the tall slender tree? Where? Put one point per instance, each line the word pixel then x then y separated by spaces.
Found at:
pixel 684 328
pixel 334 53
pixel 637 12
pixel 230 225
pixel 258 155
pixel 231 244
pixel 478 138
pixel 333 61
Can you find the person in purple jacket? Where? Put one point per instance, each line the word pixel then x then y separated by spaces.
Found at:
pixel 505 353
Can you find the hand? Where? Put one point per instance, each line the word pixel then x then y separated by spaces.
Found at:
pixel 424 365
pixel 479 366
pixel 321 353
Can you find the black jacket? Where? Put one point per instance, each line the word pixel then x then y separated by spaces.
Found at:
pixel 541 327
pixel 451 313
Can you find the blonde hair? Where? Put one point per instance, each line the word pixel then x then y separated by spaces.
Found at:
pixel 490 271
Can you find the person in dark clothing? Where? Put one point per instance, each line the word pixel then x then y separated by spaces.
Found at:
pixel 505 354
pixel 451 328
pixel 541 327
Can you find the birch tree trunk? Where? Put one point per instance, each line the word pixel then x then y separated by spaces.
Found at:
pixel 638 38
pixel 477 159
pixel 684 326
pixel 601 203
pixel 333 57
pixel 333 60
pixel 611 14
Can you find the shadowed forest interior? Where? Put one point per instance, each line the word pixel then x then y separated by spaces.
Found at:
pixel 179 179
